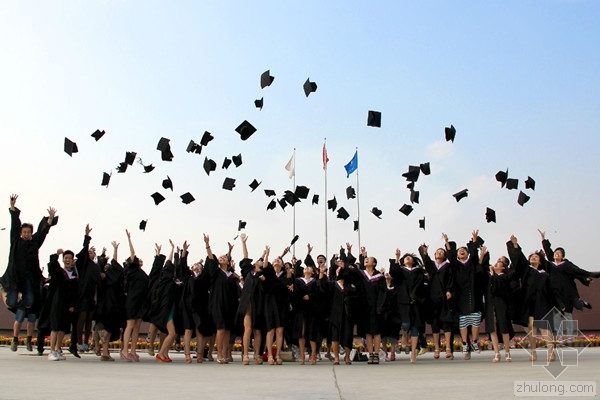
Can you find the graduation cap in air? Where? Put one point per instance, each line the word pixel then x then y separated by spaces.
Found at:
pixel 167 183
pixel 269 192
pixel 272 204
pixel 450 133
pixel 342 213
pixel 241 225
pixel 425 168
pixel 70 147
pixel 187 198
pixel 490 215
pixel 461 195
pixel 301 192
pixel 266 79
pixel 502 176
pixel 315 199
pixel 374 119
pixel 164 147
pixel 413 173
pixel 411 185
pixel 309 87
pixel 522 199
pixel 282 203
pixel 258 103
pixel 376 212
pixel 148 168
pixel 291 197
pixel 206 138
pixel 143 225
pixel 350 193
pixel 422 223
pixel 130 157
pixel 194 147
pixel 332 204
pixel 414 196
pixel 255 184
pixel 237 160
pixel 122 167
pixel 294 240
pixel 245 130
pixel 512 183
pixel 158 198
pixel 406 209
pixel 105 179
pixel 356 225
pixel 530 183
pixel 226 163
pixel 209 166
pixel 98 134
pixel 229 184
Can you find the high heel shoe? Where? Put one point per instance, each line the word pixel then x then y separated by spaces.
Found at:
pixel 413 358
pixel 507 357
pixel 258 360
pixel 313 360
pixel 245 359
pixel 449 354
pixel 436 354
pixel 302 357
pixel 496 358
pixel 533 356
pixel 199 358
pixel 270 360
pixel 188 359
pixel 125 357
pixel 278 360
pixel 134 357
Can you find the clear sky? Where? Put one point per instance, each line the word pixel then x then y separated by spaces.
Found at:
pixel 518 80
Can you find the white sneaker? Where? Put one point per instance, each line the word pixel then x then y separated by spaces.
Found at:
pixel 475 348
pixel 53 356
pixel 61 355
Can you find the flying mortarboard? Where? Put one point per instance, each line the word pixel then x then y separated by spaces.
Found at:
pixel 332 204
pixel 70 147
pixel 209 165
pixel 158 198
pixel 130 157
pixel 425 168
pixel 309 87
pixel 148 168
pixel 294 240
pixel 522 199
pixel 502 176
pixel 255 184
pixel 106 179
pixel 237 160
pixel 226 163
pixel 291 197
pixel 206 137
pixel 530 183
pixel 490 215
pixel 245 130
pixel 411 185
pixel 187 198
pixel 272 204
pixel 122 167
pixel 282 203
pixel 98 134
pixel 266 79
pixel 376 212
pixel 229 184
pixel 414 196
pixel 269 192
pixel 165 149
pixel 406 209
pixel 374 119
pixel 512 183
pixel 143 225
pixel 258 103
pixel 422 223
pixel 450 133
pixel 315 199
pixel 356 225
pixel 167 183
pixel 460 195
pixel 301 192
pixel 350 192
pixel 194 147
pixel 241 225
pixel 342 213
pixel 413 173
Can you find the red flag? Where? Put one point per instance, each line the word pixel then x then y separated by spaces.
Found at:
pixel 325 158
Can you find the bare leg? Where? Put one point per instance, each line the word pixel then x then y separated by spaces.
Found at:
pixel 187 339
pixel 16 328
pixel 134 337
pixel 413 348
pixel 211 347
pixel 336 352
pixel 152 331
pixel 247 334
pixel 126 337
pixel 168 342
pixel 279 343
pixel 313 352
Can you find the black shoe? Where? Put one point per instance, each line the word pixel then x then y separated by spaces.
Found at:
pixel 73 350
pixel 586 304
pixel 29 345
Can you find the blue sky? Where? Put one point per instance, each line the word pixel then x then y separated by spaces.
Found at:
pixel 518 80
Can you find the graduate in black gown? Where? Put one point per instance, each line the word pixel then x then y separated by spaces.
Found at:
pixel 305 324
pixel 191 306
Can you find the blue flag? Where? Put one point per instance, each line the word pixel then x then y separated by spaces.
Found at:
pixel 352 165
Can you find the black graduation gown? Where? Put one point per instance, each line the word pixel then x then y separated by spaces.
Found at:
pixel 410 289
pixel 189 318
pixel 252 294
pixel 469 282
pixel 305 311
pixel 441 281
pixel 110 312
pixel 341 327
pixel 162 298
pixel 276 297
pixel 89 279
pixel 391 315
pixel 498 303
pixel 136 289
pixel 223 300
pixel 372 293
pixel 64 297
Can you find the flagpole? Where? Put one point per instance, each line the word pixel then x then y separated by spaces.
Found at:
pixel 325 200
pixel 294 208
pixel 358 203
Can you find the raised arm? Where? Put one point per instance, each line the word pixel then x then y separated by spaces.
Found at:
pixel 209 253
pixel 115 246
pixel 170 258
pixel 244 238
pixel 131 249
pixel 83 256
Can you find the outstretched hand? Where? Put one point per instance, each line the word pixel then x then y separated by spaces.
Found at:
pixel 51 212
pixel 87 230
pixel 13 200
pixel 542 234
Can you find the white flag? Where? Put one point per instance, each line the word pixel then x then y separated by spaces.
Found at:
pixel 291 166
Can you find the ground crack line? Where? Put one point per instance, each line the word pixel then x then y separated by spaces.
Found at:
pixel 337 386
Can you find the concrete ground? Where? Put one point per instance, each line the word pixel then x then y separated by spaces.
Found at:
pixel 27 376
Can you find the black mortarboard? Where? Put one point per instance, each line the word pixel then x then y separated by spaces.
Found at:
pixel 294 240
pixel 309 87
pixel 422 223
pixel 167 183
pixel 148 168
pixel 411 185
pixel 490 215
pixel 255 184
pixel 512 183
pixel 462 194
pixel 502 176
pixel 158 198
pixel 226 163
pixel 376 212
pixel 425 168
pixel 194 147
pixel 291 197
pixel 315 199
pixel 206 137
pixel 414 196
pixel 187 198
pixel 98 134
pixel 105 179
pixel 209 165
pixel 282 203
pixel 530 183
pixel 350 192
pixel 165 149
pixel 130 157
pixel 413 173
pixel 332 204
pixel 342 213
pixel 266 79
pixel 241 225
pixel 301 192
pixel 237 160
pixel 245 130
pixel 258 103
pixel 143 225
pixel 70 147
pixel 374 119
pixel 356 225
pixel 269 192
pixel 406 209
pixel 450 133
pixel 229 184
pixel 523 198
pixel 272 204
pixel 122 167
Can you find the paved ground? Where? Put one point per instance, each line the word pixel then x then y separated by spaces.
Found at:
pixel 27 376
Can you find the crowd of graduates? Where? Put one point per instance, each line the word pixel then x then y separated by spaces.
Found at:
pixel 270 302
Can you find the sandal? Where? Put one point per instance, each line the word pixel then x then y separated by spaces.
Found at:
pixel 336 362
pixel 436 354
pixel 313 360
pixel 221 361
pixel 507 357
pixel 258 360
pixel 278 360
pixel 413 359
pixel 270 360
pixel 188 359
pixel 496 358
pixel 533 356
pixel 134 357
pixel 245 359
pixel 199 358
pixel 348 362
pixel 449 354
pixel 551 356
pixel 162 359
pixel 301 362
pixel 125 357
